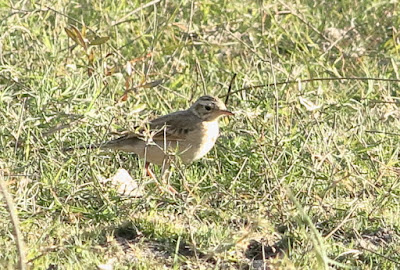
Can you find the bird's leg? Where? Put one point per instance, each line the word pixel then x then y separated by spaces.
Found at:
pixel 148 171
pixel 165 174
pixel 165 169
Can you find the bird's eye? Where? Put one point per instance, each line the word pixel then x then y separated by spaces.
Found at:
pixel 208 108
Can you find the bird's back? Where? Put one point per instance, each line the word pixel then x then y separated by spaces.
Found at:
pixel 176 129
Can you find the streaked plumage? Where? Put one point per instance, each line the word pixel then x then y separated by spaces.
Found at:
pixel 190 134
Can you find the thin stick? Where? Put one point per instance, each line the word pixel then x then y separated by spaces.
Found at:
pixel 316 79
pixel 351 211
pixel 230 89
pixel 15 223
pixel 381 255
pixel 383 132
pixel 124 19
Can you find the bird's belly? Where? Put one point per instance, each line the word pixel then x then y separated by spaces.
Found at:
pixel 159 152
pixel 201 150
pixel 194 147
pixel 185 151
pixel 204 143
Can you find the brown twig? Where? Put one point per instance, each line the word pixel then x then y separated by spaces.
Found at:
pixel 230 88
pixel 15 223
pixel 381 255
pixel 125 18
pixel 315 79
pixel 383 132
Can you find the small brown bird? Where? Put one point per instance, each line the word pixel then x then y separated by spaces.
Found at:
pixel 188 134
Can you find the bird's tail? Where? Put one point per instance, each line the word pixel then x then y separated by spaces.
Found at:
pixel 82 147
pixel 124 143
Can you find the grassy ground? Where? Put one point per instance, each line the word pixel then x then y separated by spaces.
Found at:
pixel 305 176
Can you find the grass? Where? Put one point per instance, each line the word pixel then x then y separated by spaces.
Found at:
pixel 305 176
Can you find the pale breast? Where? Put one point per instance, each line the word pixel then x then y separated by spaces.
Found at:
pixel 203 141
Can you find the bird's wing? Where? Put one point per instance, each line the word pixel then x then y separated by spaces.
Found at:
pixel 174 126
pixel 128 138
pixel 171 127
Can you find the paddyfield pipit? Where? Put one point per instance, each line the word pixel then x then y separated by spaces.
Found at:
pixel 188 134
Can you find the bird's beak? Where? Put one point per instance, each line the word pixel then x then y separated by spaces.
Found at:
pixel 226 112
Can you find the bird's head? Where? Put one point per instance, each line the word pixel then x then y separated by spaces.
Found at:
pixel 209 108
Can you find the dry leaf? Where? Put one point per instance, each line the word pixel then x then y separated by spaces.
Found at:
pixel 308 104
pixel 75 35
pixel 99 41
pixel 128 68
pixel 124 184
pixel 150 84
